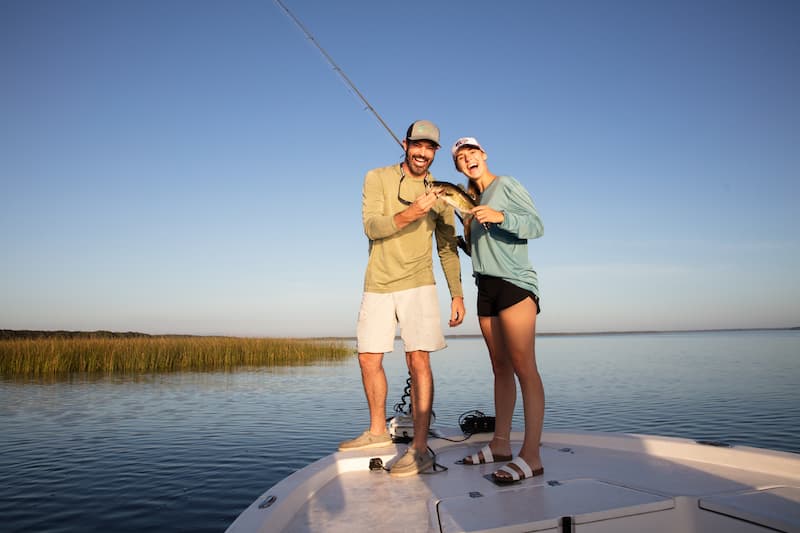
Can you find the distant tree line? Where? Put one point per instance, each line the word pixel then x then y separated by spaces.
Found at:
pixel 35 334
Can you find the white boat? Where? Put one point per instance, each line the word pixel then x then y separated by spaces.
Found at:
pixel 593 482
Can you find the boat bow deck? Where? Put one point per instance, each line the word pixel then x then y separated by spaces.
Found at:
pixel 592 482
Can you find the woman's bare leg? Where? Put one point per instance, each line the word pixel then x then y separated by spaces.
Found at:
pixel 505 386
pixel 518 326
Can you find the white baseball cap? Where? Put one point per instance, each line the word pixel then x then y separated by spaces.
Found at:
pixel 466 141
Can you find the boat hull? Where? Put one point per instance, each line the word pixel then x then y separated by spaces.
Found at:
pixel 593 482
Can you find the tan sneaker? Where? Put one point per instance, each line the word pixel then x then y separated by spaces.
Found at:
pixel 412 463
pixel 365 441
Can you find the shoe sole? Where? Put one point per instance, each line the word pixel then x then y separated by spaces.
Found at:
pixel 367 446
pixel 510 481
pixel 497 459
pixel 410 473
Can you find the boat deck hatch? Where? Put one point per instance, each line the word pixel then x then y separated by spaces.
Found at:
pixel 541 507
pixel 777 508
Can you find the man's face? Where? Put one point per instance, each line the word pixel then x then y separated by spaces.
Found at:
pixel 419 156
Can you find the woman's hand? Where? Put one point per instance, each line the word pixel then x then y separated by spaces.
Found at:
pixel 486 215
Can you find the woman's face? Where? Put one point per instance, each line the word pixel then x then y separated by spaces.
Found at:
pixel 471 162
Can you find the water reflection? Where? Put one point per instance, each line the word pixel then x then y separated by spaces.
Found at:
pixel 189 451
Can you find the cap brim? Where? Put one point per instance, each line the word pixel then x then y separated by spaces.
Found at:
pixel 423 139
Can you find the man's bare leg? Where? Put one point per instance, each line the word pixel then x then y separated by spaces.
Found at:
pixel 375 389
pixel 419 365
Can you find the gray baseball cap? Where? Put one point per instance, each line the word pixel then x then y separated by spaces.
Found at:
pixel 423 130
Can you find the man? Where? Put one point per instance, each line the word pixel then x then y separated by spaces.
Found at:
pixel 401 214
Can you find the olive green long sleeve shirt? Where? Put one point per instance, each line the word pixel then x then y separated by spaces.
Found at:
pixel 402 259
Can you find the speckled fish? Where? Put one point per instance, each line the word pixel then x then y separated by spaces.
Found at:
pixel 462 202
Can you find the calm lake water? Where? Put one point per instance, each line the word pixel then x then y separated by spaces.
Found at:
pixel 190 451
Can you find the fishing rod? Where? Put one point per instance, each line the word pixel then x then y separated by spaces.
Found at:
pixel 337 69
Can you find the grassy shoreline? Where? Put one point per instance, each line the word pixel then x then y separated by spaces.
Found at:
pixel 34 353
pixel 103 352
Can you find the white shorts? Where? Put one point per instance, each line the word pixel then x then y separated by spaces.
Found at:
pixel 415 310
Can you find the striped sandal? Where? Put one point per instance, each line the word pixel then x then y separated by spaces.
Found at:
pixel 484 456
pixel 518 469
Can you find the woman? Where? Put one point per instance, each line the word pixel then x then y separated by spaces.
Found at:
pixel 508 302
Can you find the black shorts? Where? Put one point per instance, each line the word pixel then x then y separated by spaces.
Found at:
pixel 496 294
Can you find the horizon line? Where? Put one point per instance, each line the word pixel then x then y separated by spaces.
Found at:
pixel 6 333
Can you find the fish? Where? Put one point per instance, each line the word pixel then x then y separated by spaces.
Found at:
pixel 462 202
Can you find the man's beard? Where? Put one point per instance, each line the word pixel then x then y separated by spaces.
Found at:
pixel 416 168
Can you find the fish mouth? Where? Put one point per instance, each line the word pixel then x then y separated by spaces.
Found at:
pixel 455 196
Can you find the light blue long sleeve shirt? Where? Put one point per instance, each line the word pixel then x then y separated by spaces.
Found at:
pixel 502 250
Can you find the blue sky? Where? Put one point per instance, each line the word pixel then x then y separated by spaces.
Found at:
pixel 196 167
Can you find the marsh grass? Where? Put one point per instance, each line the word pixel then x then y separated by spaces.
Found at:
pixel 48 356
